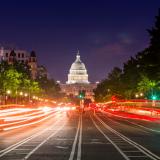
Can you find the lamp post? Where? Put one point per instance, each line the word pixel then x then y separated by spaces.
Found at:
pixel 26 95
pixel 8 92
pixel 138 95
pixel 21 94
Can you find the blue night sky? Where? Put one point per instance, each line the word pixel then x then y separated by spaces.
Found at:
pixel 106 32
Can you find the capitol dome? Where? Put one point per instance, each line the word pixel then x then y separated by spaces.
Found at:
pixel 78 73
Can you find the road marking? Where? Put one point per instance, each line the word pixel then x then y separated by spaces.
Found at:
pixel 149 129
pixel 27 124
pixel 25 149
pixel 28 145
pixel 63 139
pixel 1 151
pixel 61 147
pixel 75 142
pixel 117 148
pixel 80 141
pixel 43 142
pixel 97 143
pixel 132 143
pixel 131 151
pixel 137 156
pixel 14 146
pixel 114 121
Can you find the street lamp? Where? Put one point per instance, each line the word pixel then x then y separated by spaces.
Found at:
pixel 136 95
pixel 141 94
pixel 21 93
pixel 8 91
pixel 26 94
pixel 34 97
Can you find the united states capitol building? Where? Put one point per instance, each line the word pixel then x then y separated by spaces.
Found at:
pixel 78 80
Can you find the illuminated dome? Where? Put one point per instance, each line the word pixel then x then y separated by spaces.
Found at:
pixel 78 73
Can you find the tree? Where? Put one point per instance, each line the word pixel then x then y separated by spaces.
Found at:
pixel 149 87
pixel 10 80
pixel 146 84
pixel 128 81
pixel 130 77
pixel 49 87
pixel 30 86
pixel 112 85
pixel 151 55
pixel 23 68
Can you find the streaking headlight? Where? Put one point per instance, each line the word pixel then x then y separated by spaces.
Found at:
pixel 73 108
pixel 46 109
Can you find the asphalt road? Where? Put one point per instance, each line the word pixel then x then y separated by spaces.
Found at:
pixel 87 136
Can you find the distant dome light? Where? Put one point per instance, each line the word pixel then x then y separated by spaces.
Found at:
pixel 78 72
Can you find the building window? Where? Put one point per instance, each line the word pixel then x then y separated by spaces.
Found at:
pixel 6 54
pixel 19 55
pixel 22 55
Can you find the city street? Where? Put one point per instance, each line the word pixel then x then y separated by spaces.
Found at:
pixel 80 80
pixel 87 136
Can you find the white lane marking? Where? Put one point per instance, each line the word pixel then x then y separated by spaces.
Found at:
pixel 124 117
pixel 153 130
pixel 43 142
pixel 63 139
pixel 80 141
pixel 149 129
pixel 75 142
pixel 25 149
pixel 133 143
pixel 142 130
pixel 137 156
pixel 14 146
pixel 61 147
pixel 131 151
pixel 97 143
pixel 28 145
pixel 116 147
pixel 114 121
pixel 1 151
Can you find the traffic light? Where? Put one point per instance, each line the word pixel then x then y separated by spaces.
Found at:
pixel 154 97
pixel 82 94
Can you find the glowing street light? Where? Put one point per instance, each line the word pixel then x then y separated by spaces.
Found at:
pixel 136 95
pixel 21 93
pixel 154 97
pixel 141 94
pixel 25 94
pixel 34 97
pixel 8 91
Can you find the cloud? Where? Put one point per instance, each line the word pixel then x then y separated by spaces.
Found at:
pixel 111 49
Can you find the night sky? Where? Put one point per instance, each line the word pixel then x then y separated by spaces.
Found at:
pixel 106 32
